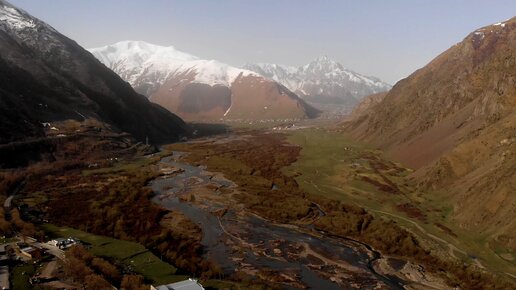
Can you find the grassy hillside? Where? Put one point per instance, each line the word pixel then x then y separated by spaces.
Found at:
pixel 335 166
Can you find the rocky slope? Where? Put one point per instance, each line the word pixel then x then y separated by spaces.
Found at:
pixel 46 77
pixel 366 106
pixel 322 81
pixel 198 89
pixel 454 121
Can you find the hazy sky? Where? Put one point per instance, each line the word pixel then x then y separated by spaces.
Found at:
pixel 384 38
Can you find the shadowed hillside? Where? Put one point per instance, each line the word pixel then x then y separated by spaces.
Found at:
pixel 46 77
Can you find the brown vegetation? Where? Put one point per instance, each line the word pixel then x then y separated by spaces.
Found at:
pixel 91 272
pixel 121 208
pixel 133 282
pixel 110 202
pixel 411 210
pixel 255 162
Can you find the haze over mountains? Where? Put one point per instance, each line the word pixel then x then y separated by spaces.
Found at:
pixel 198 89
pixel 322 81
pixel 454 121
pixel 46 77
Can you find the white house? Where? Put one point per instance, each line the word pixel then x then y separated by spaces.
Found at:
pixel 190 284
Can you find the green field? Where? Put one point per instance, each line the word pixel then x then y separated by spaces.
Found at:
pixel 333 165
pixel 141 260
pixel 20 275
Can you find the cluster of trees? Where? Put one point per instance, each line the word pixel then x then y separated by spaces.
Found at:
pixel 255 164
pixel 122 209
pixel 352 221
pixel 11 221
pixel 96 273
pixel 5 226
pixel 10 179
pixel 26 228
pixel 389 238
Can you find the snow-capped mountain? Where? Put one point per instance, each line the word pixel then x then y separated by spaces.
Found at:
pixel 197 88
pixel 322 81
pixel 147 66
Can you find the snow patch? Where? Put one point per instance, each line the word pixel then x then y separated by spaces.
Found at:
pixel 14 19
pixel 479 34
pixel 321 76
pixel 229 109
pixel 137 60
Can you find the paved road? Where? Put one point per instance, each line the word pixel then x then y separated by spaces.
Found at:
pixel 49 268
pixel 8 201
pixel 4 277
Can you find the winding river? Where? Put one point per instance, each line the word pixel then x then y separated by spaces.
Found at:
pixel 236 241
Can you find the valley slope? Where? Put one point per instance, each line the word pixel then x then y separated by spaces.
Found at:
pixel 454 122
pixel 46 77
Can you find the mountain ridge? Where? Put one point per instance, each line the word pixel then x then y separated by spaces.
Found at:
pixel 453 121
pixel 143 64
pixel 198 89
pixel 322 80
pixel 49 77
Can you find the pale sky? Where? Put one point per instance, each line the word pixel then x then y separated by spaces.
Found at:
pixel 388 39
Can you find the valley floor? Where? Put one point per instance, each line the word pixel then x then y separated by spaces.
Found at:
pixel 278 208
pixel 332 165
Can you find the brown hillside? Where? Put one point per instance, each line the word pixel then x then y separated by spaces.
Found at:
pixel 366 105
pixel 248 98
pixel 454 121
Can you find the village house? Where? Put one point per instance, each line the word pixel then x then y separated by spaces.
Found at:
pixel 63 243
pixel 190 284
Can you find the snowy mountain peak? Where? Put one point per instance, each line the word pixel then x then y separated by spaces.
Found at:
pixel 147 66
pixel 135 54
pixel 322 79
pixel 323 64
pixel 322 58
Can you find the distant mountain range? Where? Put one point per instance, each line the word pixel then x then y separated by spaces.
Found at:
pixel 198 89
pixel 46 77
pixel 322 81
pixel 454 121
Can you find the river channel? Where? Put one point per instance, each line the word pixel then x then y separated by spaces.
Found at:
pixel 238 241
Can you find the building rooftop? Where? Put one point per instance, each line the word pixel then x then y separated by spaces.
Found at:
pixel 190 284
